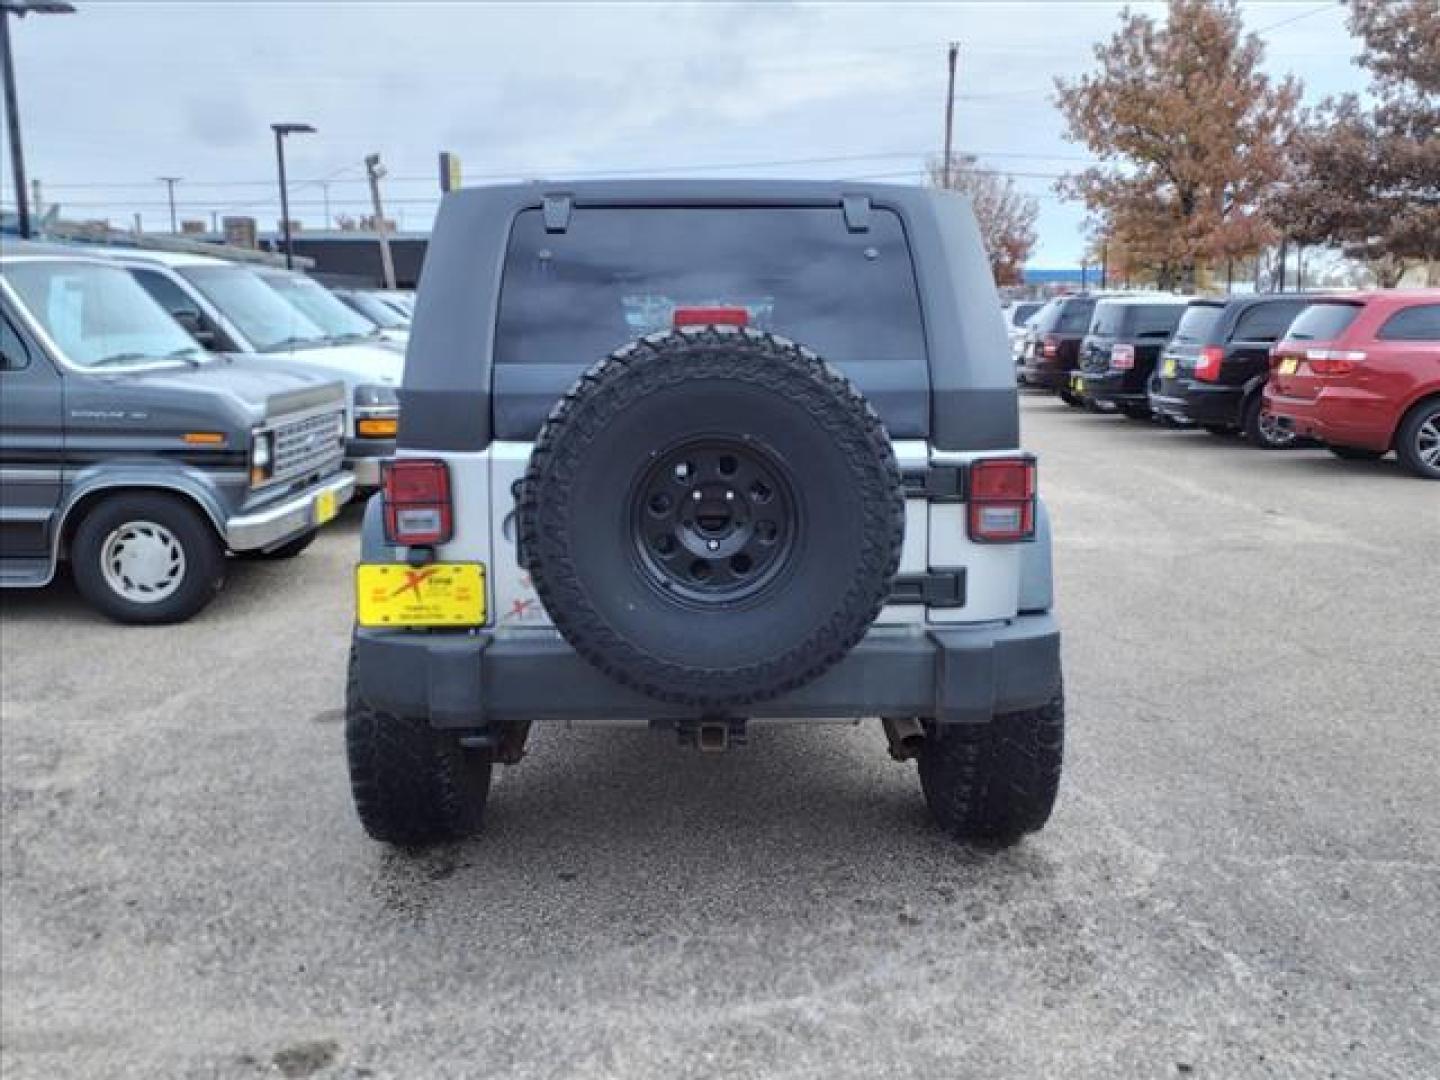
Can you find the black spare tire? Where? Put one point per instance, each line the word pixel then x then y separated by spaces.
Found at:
pixel 712 516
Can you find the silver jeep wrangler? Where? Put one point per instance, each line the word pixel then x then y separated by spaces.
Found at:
pixel 697 454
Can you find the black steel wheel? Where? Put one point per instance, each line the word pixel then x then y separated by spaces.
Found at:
pixel 715 520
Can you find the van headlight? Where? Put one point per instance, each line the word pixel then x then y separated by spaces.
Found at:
pixel 262 456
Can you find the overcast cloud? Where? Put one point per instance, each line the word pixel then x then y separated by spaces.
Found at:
pixel 122 93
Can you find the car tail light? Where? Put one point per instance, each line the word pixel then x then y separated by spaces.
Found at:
pixel 710 316
pixel 416 501
pixel 1002 500
pixel 1334 361
pixel 1207 368
pixel 1050 346
pixel 1122 357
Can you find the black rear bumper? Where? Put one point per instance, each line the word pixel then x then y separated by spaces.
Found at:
pixel 955 674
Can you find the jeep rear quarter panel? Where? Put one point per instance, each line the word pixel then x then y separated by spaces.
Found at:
pixel 453 394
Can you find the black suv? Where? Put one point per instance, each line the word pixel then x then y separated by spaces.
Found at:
pixel 1052 347
pixel 696 454
pixel 1118 355
pixel 1214 369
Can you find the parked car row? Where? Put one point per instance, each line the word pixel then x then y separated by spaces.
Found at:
pixel 158 410
pixel 1358 373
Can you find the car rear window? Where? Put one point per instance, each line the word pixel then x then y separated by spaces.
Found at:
pixel 1109 319
pixel 1022 313
pixel 616 274
pixel 1197 324
pixel 1322 322
pixel 1267 321
pixel 1155 321
pixel 1075 316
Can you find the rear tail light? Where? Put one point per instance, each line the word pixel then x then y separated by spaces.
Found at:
pixel 1050 346
pixel 710 316
pixel 1002 500
pixel 1334 361
pixel 1122 357
pixel 1207 368
pixel 416 501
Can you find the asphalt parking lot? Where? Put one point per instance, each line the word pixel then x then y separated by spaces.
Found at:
pixel 1242 877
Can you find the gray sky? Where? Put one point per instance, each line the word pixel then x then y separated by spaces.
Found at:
pixel 124 92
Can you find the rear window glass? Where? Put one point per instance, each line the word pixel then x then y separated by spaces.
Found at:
pixel 1322 322
pixel 1023 312
pixel 1266 322
pixel 1197 323
pixel 1075 316
pixel 618 274
pixel 1109 319
pixel 1419 323
pixel 1155 321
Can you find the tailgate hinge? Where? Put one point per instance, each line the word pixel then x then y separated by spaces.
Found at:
pixel 937 483
pixel 944 588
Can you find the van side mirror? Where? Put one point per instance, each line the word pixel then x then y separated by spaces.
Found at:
pixel 192 323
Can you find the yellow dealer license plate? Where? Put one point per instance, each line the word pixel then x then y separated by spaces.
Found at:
pixel 440 594
pixel 1288 365
pixel 1077 383
pixel 1168 371
pixel 325 507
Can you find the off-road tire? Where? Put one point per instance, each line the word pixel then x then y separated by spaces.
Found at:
pixel 1424 417
pixel 1355 453
pixel 1257 433
pixel 287 550
pixel 204 558
pixel 412 785
pixel 995 781
pixel 773 395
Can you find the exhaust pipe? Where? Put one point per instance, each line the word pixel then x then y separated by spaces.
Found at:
pixel 906 736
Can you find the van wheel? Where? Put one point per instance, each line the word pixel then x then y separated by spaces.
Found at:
pixel 995 781
pixel 1417 443
pixel 1263 430
pixel 411 784
pixel 1355 453
pixel 147 558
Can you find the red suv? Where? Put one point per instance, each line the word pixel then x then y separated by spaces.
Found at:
pixel 1361 374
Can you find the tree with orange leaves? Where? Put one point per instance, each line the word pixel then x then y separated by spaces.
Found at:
pixel 1192 137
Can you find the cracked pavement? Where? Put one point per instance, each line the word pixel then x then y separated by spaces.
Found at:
pixel 1242 878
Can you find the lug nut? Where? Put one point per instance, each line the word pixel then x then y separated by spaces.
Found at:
pixel 729 496
pixel 713 545
pixel 695 495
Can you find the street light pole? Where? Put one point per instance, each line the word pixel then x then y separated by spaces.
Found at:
pixel 20 8
pixel 281 130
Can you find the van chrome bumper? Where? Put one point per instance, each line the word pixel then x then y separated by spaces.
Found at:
pixel 286 519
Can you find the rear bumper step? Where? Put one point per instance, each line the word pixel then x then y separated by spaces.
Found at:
pixel 955 674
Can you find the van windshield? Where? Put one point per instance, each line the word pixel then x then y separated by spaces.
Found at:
pixel 268 322
pixel 98 316
pixel 320 306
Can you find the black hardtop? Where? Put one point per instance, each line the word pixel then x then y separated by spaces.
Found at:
pixel 455 397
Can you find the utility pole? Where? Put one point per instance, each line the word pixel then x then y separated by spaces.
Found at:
pixel 949 114
pixel 1105 263
pixel 170 182
pixel 375 171
pixel 20 8
pixel 325 194
pixel 214 221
